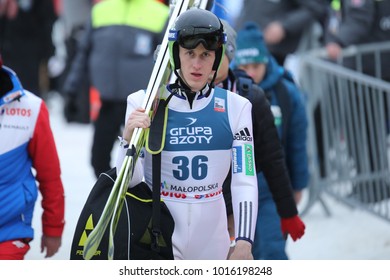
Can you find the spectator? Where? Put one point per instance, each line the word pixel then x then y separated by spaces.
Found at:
pixel 359 22
pixel 284 23
pixel 117 54
pixel 26 40
pixel 27 142
pixel 73 21
pixel 288 107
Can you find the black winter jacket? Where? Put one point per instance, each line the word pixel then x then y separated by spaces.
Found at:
pixel 269 155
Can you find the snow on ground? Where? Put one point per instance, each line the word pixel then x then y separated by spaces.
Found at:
pixel 348 234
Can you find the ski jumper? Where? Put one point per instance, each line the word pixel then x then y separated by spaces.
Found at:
pixel 202 143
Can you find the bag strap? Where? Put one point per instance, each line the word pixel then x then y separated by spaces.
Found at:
pixel 244 87
pixel 156 209
pixel 154 144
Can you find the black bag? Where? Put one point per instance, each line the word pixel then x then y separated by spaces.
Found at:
pixel 148 234
pixel 133 239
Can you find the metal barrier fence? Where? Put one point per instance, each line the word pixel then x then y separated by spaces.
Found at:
pixel 349 128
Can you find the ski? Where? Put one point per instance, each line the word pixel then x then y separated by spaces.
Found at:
pixel 160 74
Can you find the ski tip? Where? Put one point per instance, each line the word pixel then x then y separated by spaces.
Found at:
pixel 88 254
pixel 89 249
pixel 110 255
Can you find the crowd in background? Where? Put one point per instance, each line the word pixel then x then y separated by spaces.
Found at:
pixel 45 33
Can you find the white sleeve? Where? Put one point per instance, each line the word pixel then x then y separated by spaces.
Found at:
pixel 244 180
pixel 134 101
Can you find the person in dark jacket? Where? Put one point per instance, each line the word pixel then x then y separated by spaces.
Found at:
pixel 26 39
pixel 117 53
pixel 356 23
pixel 288 108
pixel 269 157
pixel 283 22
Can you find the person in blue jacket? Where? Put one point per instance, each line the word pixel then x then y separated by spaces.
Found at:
pixel 288 107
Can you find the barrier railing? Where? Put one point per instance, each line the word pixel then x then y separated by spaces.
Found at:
pixel 349 127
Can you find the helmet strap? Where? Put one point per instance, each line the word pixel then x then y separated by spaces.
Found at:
pixel 211 84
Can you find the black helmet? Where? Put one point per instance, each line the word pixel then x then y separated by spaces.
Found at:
pixel 193 27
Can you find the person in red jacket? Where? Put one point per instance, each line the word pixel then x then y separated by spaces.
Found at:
pixel 28 155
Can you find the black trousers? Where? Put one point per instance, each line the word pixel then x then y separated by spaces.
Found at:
pixel 107 129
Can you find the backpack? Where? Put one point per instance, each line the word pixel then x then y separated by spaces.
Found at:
pixel 133 235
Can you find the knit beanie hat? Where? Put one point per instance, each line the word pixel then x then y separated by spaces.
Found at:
pixel 251 47
pixel 231 39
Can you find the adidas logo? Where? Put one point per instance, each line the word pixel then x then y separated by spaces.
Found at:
pixel 243 135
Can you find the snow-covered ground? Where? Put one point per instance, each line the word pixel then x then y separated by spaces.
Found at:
pixel 348 234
